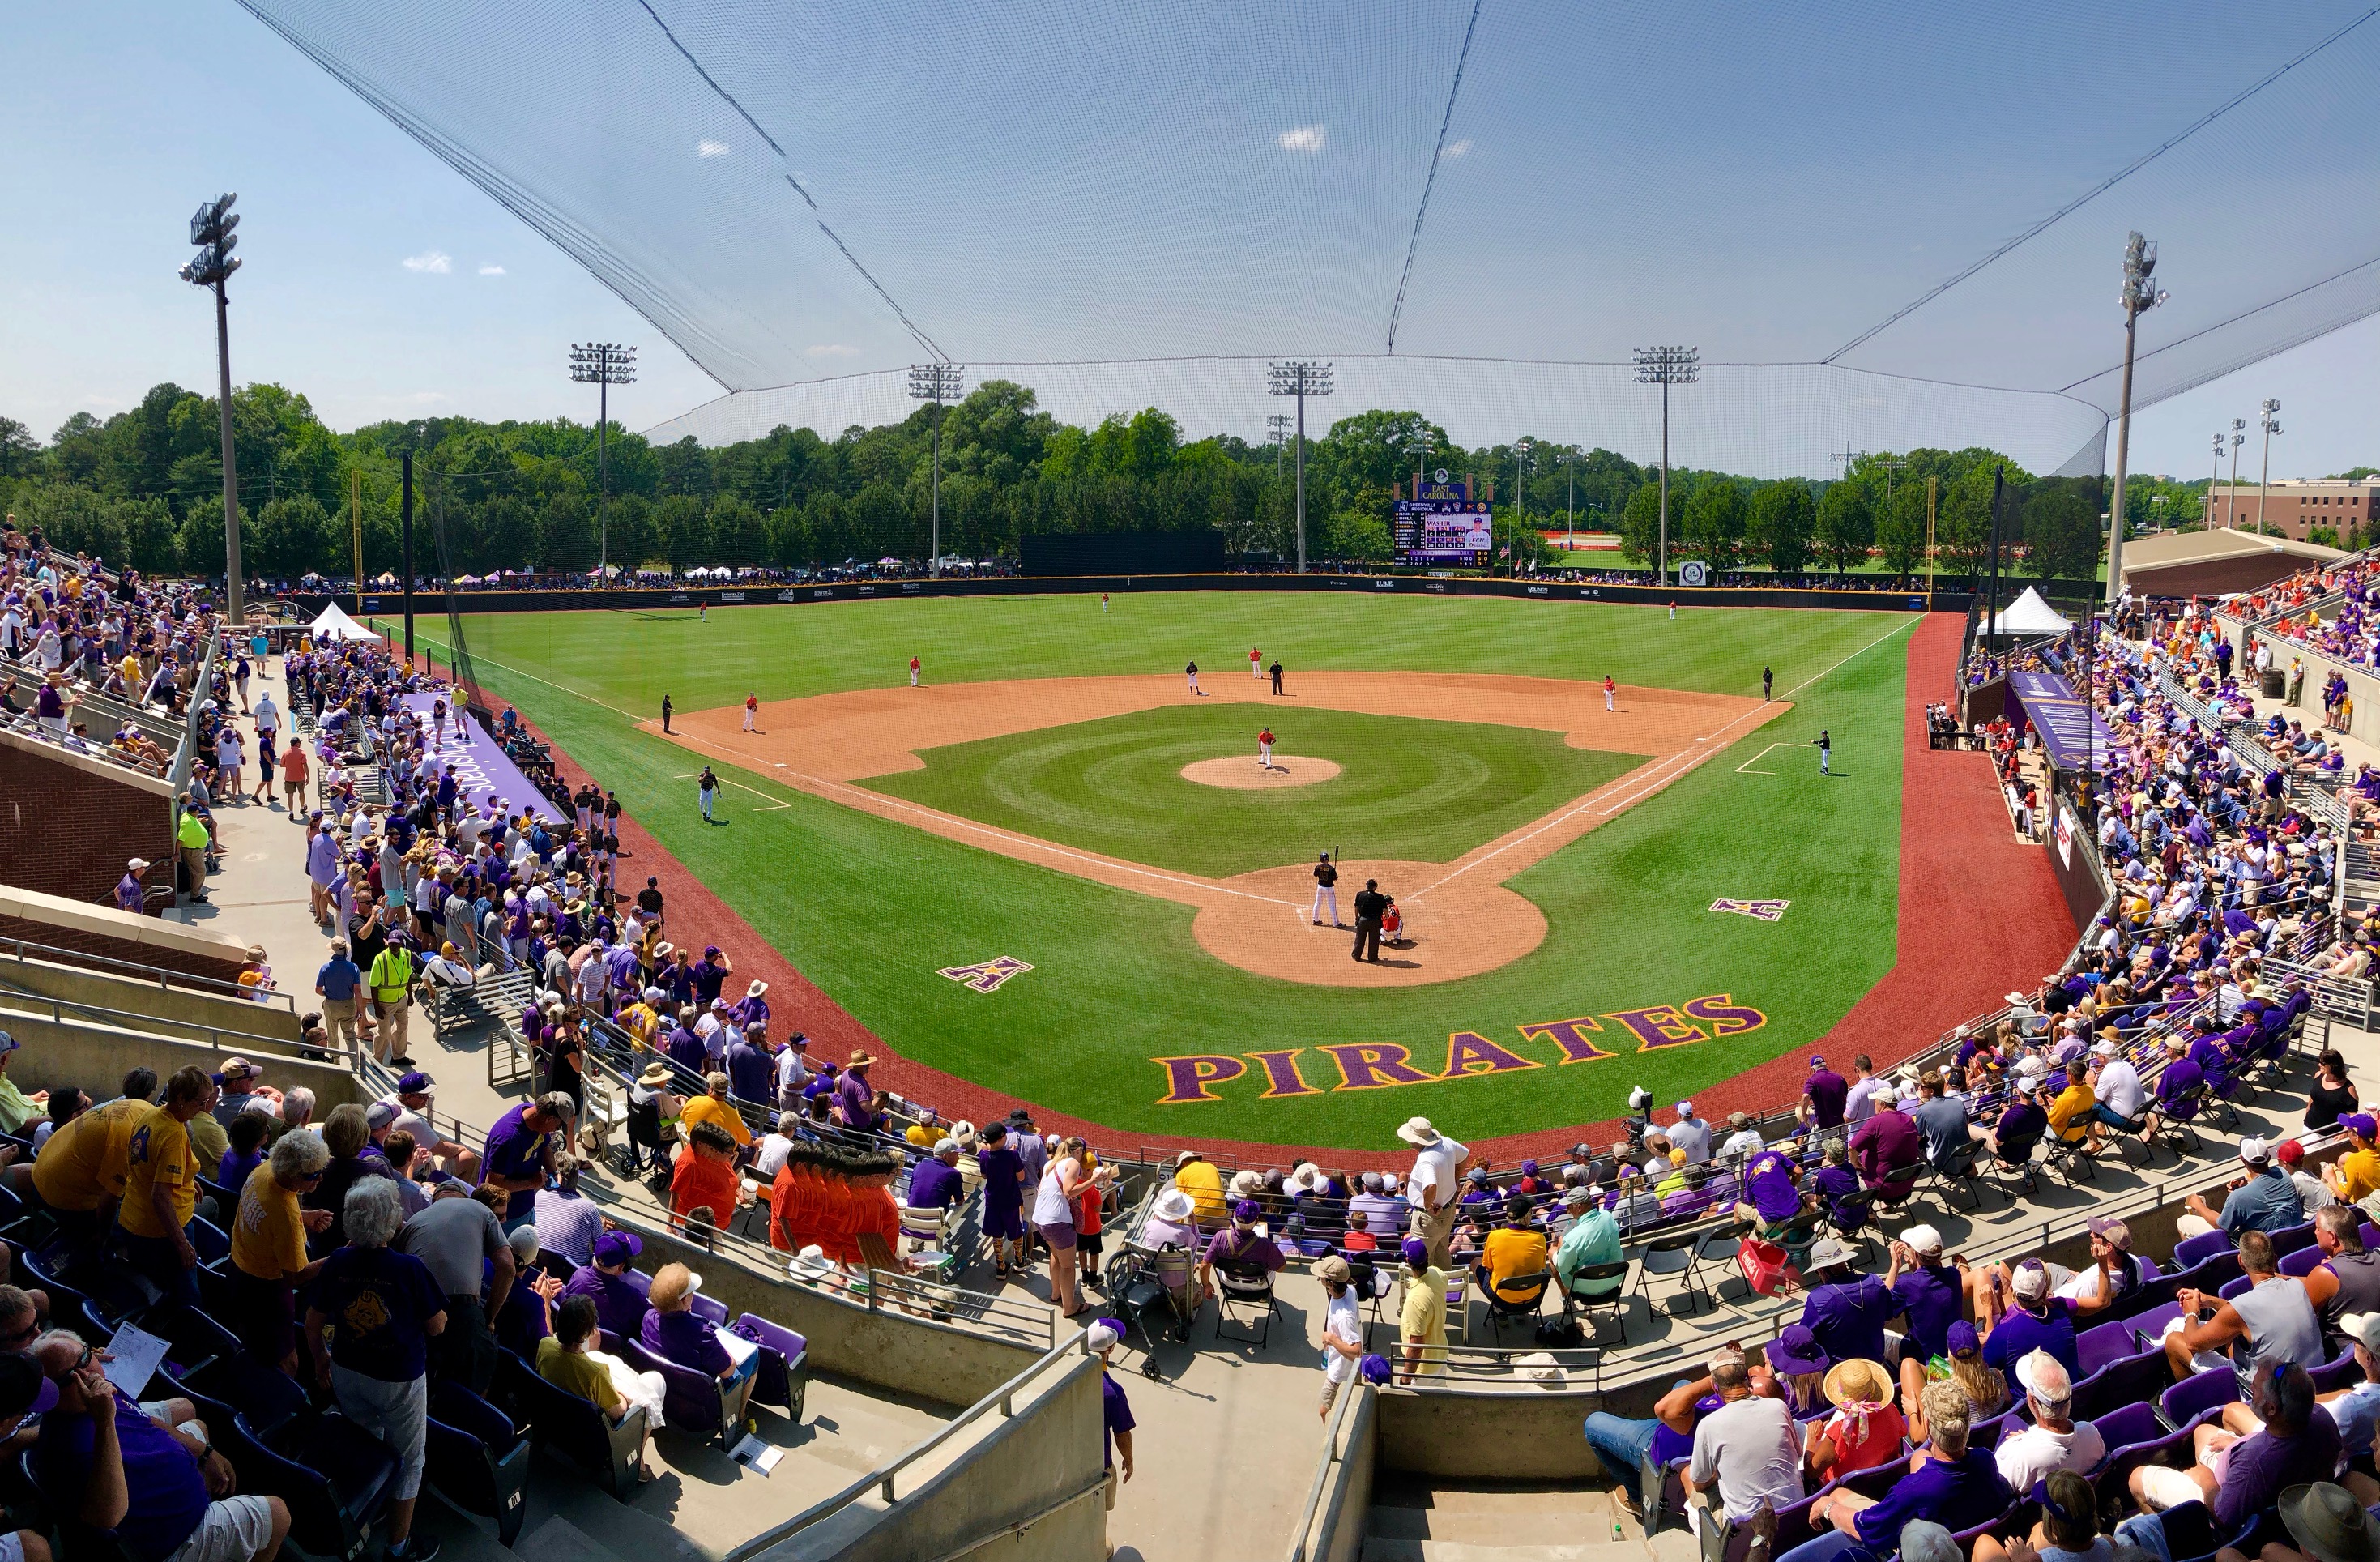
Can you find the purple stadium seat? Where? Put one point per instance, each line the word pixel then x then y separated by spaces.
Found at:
pixel 2128 1424
pixel 2197 1394
pixel 2097 1346
pixel 2302 1262
pixel 2197 1249
pixel 784 1375
pixel 692 1400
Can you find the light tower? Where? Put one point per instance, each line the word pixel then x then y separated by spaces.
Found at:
pixel 211 231
pixel 937 383
pixel 2140 293
pixel 2272 425
pixel 1300 378
pixel 2231 494
pixel 1666 367
pixel 602 365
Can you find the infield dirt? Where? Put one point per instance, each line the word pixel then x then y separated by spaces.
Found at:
pixel 1461 919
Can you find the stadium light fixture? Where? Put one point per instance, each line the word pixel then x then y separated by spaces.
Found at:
pixel 2141 294
pixel 604 365
pixel 1521 450
pixel 2231 494
pixel 2272 425
pixel 211 228
pixel 937 383
pixel 2214 479
pixel 1666 367
pixel 1300 378
pixel 1568 459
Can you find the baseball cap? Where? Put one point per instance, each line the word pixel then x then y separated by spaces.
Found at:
pixel 2256 1153
pixel 2361 1327
pixel 1373 1369
pixel 1103 1333
pixel 136 865
pixel 1331 1268
pixel 2289 1152
pixel 1960 1337
pixel 1416 1252
pixel 1923 1238
pixel 2032 1281
pixel 413 1083
pixel 617 1247
pixel 2362 1124
pixel 380 1114
pixel 1246 1213
pixel 1528 1168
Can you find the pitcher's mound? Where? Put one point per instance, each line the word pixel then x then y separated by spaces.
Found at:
pixel 1242 773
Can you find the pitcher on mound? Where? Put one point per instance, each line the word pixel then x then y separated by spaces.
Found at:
pixel 1264 749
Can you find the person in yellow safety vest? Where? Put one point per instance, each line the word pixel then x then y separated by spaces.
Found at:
pixel 391 980
pixel 191 836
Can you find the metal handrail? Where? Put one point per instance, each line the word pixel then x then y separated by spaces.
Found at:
pixel 166 979
pixel 186 755
pixel 126 1020
pixel 880 1478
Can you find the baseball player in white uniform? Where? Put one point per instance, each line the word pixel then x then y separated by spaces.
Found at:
pixel 751 711
pixel 1326 891
pixel 1256 663
pixel 1191 672
pixel 1264 748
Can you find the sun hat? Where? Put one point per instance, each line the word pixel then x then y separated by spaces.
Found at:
pixel 1417 1130
pixel 1827 1252
pixel 755 990
pixel 2328 1523
pixel 1308 1178
pixel 855 1061
pixel 1244 1181
pixel 1795 1350
pixel 962 1131
pixel 1173 1207
pixel 1857 1382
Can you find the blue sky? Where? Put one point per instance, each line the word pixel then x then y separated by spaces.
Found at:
pixel 383 283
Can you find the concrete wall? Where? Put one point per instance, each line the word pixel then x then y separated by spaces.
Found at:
pixel 2361 685
pixel 177 1011
pixel 67 822
pixel 1003 1471
pixel 1514 1436
pixel 95 929
pixel 889 1348
pixel 77 1052
pixel 1337 1534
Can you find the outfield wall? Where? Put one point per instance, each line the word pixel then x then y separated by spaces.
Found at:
pixel 432 602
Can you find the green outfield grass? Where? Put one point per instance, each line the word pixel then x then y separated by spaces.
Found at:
pixel 869 908
pixel 1413 789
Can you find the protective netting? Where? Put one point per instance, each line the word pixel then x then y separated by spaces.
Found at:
pixel 1931 203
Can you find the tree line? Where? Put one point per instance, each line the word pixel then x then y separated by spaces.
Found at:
pixel 144 487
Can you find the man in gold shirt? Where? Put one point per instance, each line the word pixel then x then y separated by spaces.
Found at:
pixel 268 1245
pixel 716 1108
pixel 1204 1183
pixel 1513 1251
pixel 1422 1320
pixel 79 1173
pixel 161 1188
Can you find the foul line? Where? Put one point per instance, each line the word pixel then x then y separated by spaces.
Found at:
pixel 1651 786
pixel 773 802
pixel 1745 768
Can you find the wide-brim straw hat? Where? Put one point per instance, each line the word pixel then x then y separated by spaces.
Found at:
pixel 1857 1381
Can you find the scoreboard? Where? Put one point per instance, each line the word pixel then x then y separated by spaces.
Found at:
pixel 1442 524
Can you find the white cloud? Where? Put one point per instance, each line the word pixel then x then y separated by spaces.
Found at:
pixel 492 269
pixel 711 149
pixel 436 261
pixel 1456 149
pixel 1305 137
pixel 833 349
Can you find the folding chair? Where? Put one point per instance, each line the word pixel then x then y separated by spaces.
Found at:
pixel 1677 1254
pixel 1958 1170
pixel 2177 1120
pixel 2015 1160
pixel 1577 1300
pixel 1502 1310
pixel 1244 1283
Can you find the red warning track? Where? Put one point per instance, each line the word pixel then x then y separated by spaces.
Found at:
pixel 1979 914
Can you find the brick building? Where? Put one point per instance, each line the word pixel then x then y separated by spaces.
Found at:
pixel 2297 506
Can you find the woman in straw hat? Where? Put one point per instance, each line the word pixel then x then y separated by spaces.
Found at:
pixel 1866 1427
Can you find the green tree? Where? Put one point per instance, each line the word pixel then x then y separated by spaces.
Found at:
pixel 2061 529
pixel 1900 529
pixel 1846 524
pixel 1783 519
pixel 1640 525
pixel 1715 524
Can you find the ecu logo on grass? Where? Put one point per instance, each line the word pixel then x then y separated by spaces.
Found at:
pixel 1356 1065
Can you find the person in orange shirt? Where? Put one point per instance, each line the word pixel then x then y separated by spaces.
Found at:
pixel 706 1177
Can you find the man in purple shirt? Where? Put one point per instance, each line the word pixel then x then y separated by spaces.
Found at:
pixel 935 1182
pixel 2300 1444
pixel 1771 1185
pixel 1823 1095
pixel 622 1296
pixel 1888 1141
pixel 131 895
pixel 855 1098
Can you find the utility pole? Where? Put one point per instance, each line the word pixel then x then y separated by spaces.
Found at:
pixel 2265 484
pixel 1521 448
pixel 602 365
pixel 408 548
pixel 1992 598
pixel 2214 479
pixel 356 527
pixel 1276 435
pixel 937 383
pixel 2231 494
pixel 211 232
pixel 1933 504
pixel 1569 465
pixel 2140 293
pixel 1666 367
pixel 1300 378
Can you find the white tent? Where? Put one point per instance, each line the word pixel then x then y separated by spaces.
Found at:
pixel 333 622
pixel 2028 616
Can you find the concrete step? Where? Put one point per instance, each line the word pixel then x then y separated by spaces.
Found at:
pixel 1584 1521
pixel 1377 1549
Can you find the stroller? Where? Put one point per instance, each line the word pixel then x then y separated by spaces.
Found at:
pixel 1142 1281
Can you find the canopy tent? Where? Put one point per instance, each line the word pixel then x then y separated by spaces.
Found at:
pixel 333 622
pixel 2029 615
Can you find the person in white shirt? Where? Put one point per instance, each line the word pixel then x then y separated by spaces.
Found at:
pixel 2121 1098
pixel 793 1069
pixel 1743 1141
pixel 2055 1441
pixel 769 1159
pixel 1749 1450
pixel 1343 1328
pixel 1690 1134
pixel 1435 1187
pixel 1860 1105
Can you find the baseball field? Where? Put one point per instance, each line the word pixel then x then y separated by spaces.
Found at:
pixel 1054 872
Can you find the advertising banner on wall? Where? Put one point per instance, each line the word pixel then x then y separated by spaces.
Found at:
pixel 480 765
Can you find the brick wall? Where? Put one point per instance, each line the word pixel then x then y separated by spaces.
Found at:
pixel 67 828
